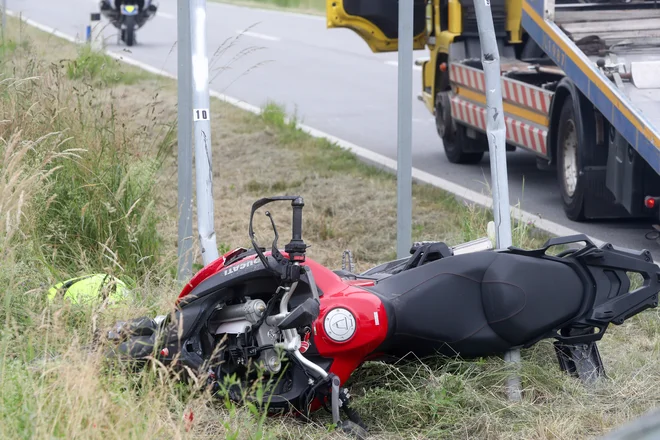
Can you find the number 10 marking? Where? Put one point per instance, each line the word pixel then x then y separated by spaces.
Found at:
pixel 201 114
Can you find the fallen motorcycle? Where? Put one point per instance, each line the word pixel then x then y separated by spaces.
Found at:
pixel 128 17
pixel 311 327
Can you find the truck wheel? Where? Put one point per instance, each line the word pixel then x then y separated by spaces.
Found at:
pixel 569 162
pixel 453 135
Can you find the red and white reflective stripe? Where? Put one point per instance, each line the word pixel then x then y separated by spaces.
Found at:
pixel 512 90
pixel 517 132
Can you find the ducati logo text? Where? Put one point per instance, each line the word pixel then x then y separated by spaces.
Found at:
pixel 241 266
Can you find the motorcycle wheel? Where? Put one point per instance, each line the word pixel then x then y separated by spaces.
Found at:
pixel 129 32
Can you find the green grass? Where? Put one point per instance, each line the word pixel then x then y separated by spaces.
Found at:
pixel 100 69
pixel 98 211
pixel 88 184
pixel 308 6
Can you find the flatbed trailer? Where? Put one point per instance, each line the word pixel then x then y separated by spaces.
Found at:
pixel 580 84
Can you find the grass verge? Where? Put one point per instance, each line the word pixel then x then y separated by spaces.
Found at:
pixel 87 183
pixel 315 7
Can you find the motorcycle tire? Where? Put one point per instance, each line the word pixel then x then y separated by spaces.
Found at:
pixel 129 32
pixel 570 163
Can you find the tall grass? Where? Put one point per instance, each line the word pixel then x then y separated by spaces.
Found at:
pixel 77 183
pixel 78 194
pixel 98 210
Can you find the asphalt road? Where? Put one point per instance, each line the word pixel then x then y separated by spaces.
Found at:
pixel 333 82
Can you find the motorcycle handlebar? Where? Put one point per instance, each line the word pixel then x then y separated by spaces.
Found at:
pixel 296 228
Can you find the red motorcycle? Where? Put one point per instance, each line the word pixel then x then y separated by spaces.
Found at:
pixel 310 327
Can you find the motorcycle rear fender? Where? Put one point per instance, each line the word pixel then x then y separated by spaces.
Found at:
pixel 608 298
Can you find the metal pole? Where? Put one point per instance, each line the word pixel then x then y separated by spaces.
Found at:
pixel 404 131
pixel 184 133
pixel 202 130
pixel 496 129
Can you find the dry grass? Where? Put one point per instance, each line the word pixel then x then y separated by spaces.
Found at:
pixel 75 396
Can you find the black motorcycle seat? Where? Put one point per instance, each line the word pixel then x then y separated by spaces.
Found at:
pixel 477 304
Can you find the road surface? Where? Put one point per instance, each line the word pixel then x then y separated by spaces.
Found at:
pixel 333 82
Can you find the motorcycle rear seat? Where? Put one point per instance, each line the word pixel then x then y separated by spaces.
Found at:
pixel 477 304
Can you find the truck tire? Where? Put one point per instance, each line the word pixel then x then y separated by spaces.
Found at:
pixel 454 136
pixel 570 162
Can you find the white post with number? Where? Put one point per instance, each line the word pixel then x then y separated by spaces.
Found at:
pixel 202 132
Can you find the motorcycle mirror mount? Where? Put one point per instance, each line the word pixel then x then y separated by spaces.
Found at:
pixel 295 249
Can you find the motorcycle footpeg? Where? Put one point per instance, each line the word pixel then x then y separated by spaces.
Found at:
pixel 334 400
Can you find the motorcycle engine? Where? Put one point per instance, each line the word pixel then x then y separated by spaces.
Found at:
pixel 241 344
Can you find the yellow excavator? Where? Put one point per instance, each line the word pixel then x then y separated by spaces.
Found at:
pixel 580 84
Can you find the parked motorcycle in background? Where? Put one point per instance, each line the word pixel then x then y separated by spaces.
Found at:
pixel 128 16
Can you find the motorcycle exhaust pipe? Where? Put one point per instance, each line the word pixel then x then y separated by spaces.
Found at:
pixel 478 245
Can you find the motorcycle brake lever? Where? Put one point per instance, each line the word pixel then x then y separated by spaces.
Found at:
pixel 274 248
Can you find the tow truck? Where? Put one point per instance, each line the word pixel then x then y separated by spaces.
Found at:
pixel 580 86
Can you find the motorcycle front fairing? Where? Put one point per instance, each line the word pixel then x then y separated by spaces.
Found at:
pixel 114 15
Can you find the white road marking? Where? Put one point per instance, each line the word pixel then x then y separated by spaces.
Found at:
pixel 424 121
pixel 396 64
pixel 257 35
pixel 368 155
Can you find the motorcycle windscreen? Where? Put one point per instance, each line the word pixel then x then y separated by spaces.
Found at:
pixel 376 21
